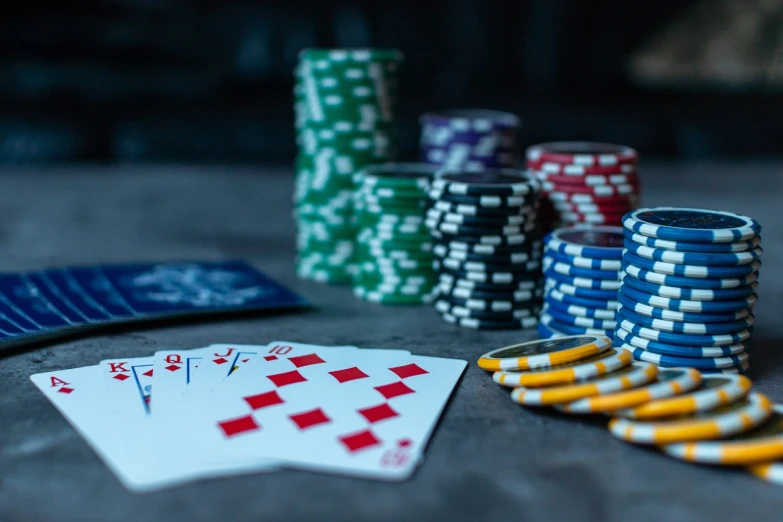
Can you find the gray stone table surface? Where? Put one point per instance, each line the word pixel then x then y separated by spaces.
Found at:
pixel 489 459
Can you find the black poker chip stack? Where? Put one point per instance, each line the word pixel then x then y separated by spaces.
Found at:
pixel 487 248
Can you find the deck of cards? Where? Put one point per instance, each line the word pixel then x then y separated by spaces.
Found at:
pixel 184 415
pixel 47 304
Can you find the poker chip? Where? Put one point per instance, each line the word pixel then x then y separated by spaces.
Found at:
pixel 344 102
pixel 702 363
pixel 574 320
pixel 436 215
pixel 393 254
pixel 681 339
pixel 500 182
pixel 587 293
pixel 691 225
pixel 692 294
pixel 624 336
pixel 483 253
pixel 703 272
pixel 683 246
pixel 687 282
pixel 632 376
pixel 685 328
pixel 737 369
pixel 684 305
pixel 514 295
pixel 569 329
pixel 584 262
pixel 582 311
pixel 668 383
pixel 757 446
pixel 486 324
pixel 738 417
pixel 713 392
pixel 469 140
pixel 445 307
pixel 686 317
pixel 600 364
pixel 577 272
pixel 580 186
pixel 587 154
pixel 694 258
pixel 468 209
pixel 544 353
pixel 479 266
pixel 583 282
pixel 580 171
pixel 552 294
pixel 584 241
pixel 510 257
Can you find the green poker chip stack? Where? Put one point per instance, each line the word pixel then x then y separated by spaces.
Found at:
pixel 393 247
pixel 345 106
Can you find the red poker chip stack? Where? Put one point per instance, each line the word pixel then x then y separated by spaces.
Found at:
pixel 585 182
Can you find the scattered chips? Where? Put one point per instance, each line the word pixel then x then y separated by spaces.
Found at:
pixel 726 421
pixel 713 392
pixel 581 369
pixel 544 353
pixel 632 376
pixel 758 445
pixel 668 383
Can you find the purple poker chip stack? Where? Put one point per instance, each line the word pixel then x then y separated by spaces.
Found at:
pixel 469 139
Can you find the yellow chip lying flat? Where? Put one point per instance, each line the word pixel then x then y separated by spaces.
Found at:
pixel 729 420
pixel 762 444
pixel 637 374
pixel 670 381
pixel 544 353
pixel 715 391
pixel 605 362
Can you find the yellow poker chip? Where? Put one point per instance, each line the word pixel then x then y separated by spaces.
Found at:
pixel 605 362
pixel 762 444
pixel 544 353
pixel 726 421
pixel 714 391
pixel 670 381
pixel 637 374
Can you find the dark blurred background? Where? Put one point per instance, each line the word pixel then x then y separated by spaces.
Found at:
pixel 201 81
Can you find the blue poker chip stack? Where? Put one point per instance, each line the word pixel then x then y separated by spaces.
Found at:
pixel 582 276
pixel 487 248
pixel 689 287
pixel 469 139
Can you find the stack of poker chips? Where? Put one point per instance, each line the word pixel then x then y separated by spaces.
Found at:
pixel 345 107
pixel 582 266
pixel 487 248
pixel 687 414
pixel 689 287
pixel 469 139
pixel 393 249
pixel 583 182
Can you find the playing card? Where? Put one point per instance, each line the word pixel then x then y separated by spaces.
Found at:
pixel 196 287
pixel 366 414
pixel 91 282
pixel 25 297
pixel 79 396
pixel 226 358
pixel 62 283
pixel 129 394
